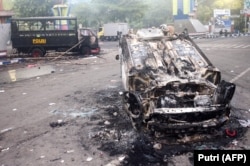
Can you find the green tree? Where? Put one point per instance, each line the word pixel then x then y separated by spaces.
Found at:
pixel 205 10
pixel 97 12
pixel 158 13
pixel 204 13
pixel 33 8
pixel 85 14
pixel 229 4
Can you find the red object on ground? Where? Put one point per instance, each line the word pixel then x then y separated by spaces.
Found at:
pixel 95 51
pixel 231 133
pixel 30 66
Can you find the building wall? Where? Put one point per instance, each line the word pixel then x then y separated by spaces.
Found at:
pixel 5 36
pixel 5 15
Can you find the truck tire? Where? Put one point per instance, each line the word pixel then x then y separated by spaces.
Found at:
pixel 37 52
pixel 85 50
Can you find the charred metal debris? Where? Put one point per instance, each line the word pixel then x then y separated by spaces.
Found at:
pixel 170 85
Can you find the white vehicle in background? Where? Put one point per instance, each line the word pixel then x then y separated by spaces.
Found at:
pixel 112 31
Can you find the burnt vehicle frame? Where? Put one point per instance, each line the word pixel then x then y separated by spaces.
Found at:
pixel 170 86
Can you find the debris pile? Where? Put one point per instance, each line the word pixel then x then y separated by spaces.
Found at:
pixel 111 131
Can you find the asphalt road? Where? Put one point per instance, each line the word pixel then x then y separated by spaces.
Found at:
pixel 70 112
pixel 232 57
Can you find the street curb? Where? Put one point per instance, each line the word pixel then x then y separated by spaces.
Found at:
pixel 7 62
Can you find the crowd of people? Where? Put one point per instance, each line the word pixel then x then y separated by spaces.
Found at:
pixel 225 33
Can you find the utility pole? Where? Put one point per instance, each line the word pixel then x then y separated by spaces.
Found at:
pixel 245 28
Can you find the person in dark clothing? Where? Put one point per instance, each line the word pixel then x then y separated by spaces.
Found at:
pixel 221 32
pixel 225 33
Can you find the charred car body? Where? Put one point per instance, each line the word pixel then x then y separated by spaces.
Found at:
pixel 170 85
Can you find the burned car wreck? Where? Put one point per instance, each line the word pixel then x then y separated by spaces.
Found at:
pixel 170 86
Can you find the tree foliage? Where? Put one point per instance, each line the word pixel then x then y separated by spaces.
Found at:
pixel 33 8
pixel 159 12
pixel 97 12
pixel 205 8
pixel 138 13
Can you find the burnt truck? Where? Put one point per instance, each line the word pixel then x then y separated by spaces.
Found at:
pixel 170 86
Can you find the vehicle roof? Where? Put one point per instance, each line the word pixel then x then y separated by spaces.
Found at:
pixel 44 18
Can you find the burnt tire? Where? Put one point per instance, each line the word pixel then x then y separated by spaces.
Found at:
pixel 37 52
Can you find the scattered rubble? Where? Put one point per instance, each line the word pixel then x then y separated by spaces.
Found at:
pixel 52 104
pixel 138 148
pixel 245 123
pixel 120 141
pixel 70 151
pixel 89 159
pixel 41 157
pixel 6 149
pixel 59 123
pixel 6 130
pixel 157 146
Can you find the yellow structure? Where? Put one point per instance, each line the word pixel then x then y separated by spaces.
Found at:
pixel 100 32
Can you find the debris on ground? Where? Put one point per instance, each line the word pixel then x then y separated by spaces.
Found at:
pixel 231 132
pixel 6 130
pixel 70 151
pixel 42 157
pixel 31 65
pixel 59 123
pixel 119 138
pixel 107 122
pixel 5 149
pixel 89 159
pixel 245 123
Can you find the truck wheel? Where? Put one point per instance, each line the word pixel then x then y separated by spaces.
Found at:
pixel 85 51
pixel 37 52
